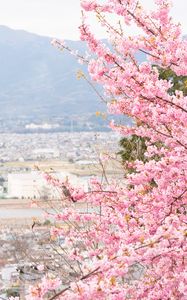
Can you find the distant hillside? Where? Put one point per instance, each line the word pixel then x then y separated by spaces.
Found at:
pixel 38 80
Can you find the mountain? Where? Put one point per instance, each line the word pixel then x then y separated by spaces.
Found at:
pixel 37 79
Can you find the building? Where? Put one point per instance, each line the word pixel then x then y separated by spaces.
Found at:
pixel 25 185
pixel 33 185
pixel 45 153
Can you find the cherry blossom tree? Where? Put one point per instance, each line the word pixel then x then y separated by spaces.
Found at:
pixel 131 243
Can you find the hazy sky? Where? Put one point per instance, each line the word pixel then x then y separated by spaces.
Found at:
pixel 60 18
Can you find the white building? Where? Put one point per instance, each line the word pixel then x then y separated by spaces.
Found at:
pixel 33 185
pixel 25 185
pixel 1 191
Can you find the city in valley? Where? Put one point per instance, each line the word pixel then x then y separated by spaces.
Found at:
pixel 26 197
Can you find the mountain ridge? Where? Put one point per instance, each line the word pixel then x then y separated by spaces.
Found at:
pixel 38 82
pixel 36 78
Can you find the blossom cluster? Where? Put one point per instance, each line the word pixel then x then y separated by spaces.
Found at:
pixel 132 243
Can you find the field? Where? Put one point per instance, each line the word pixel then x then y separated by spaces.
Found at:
pixel 110 168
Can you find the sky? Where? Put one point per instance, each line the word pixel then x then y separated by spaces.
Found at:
pixel 61 18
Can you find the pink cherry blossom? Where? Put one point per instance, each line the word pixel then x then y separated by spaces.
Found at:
pixel 131 241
